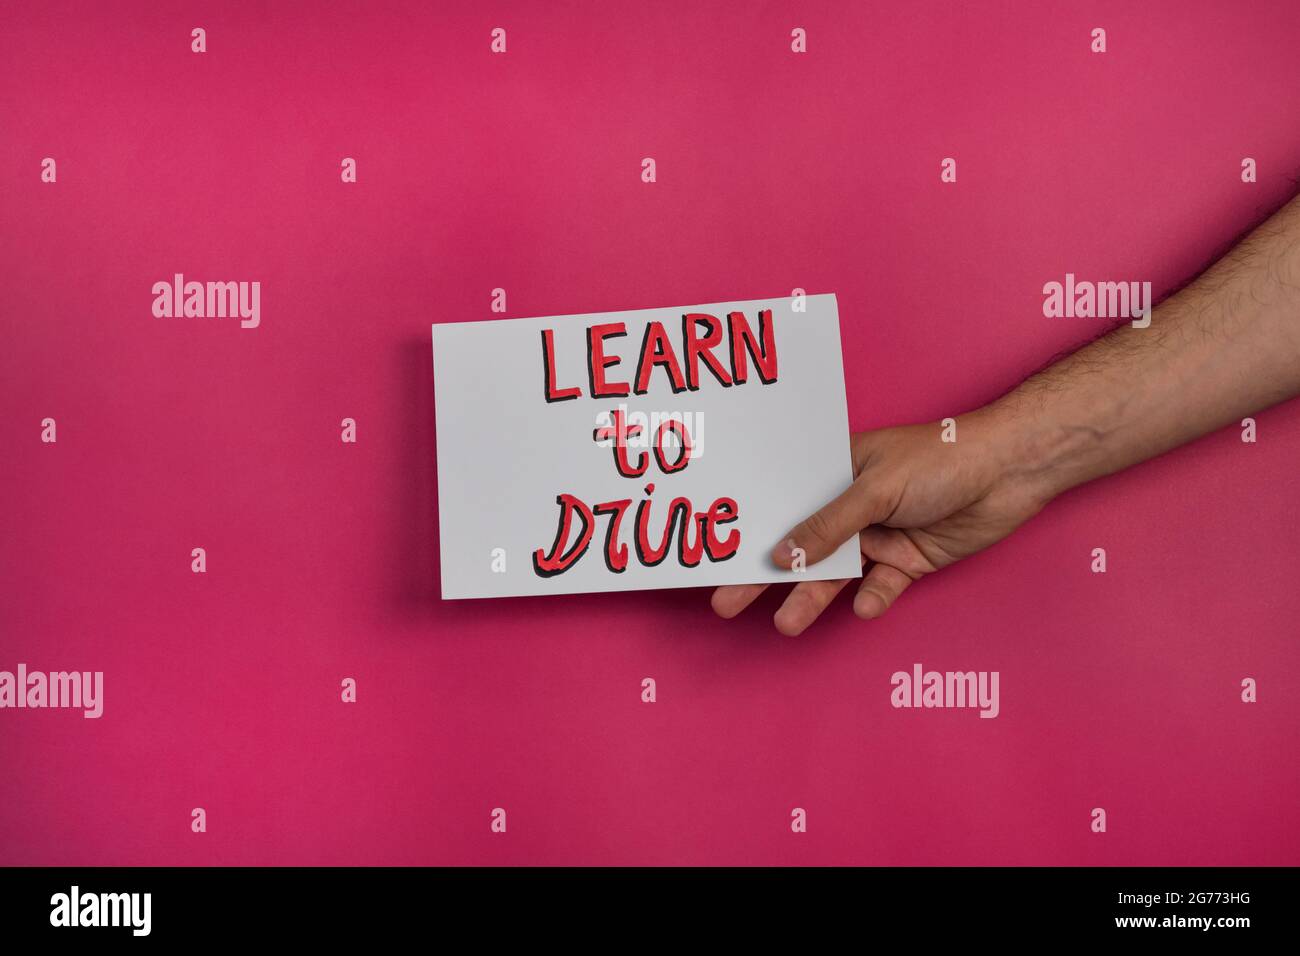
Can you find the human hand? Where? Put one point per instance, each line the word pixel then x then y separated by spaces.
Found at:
pixel 1225 346
pixel 916 504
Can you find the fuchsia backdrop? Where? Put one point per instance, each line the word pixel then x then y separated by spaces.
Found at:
pixel 476 171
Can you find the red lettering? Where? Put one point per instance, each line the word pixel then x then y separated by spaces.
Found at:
pixel 598 361
pixel 548 565
pixel 742 340
pixel 619 431
pixel 684 440
pixel 657 350
pixel 548 363
pixel 695 533
pixel 702 348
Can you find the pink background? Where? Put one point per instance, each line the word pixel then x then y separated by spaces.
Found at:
pixel 521 171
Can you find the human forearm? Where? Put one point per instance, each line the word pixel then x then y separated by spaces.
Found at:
pixel 1224 347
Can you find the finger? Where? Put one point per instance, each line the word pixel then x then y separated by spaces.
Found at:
pixel 892 546
pixel 804 604
pixel 820 534
pixel 730 599
pixel 880 588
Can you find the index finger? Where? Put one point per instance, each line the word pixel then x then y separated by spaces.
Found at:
pixel 730 599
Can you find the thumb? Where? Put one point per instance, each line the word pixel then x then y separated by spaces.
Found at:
pixel 817 536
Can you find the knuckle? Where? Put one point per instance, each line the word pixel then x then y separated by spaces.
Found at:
pixel 885 594
pixel 818 527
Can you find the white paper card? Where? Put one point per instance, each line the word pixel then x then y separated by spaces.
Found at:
pixel 562 446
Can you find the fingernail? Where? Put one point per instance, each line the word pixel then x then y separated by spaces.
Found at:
pixel 785 550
